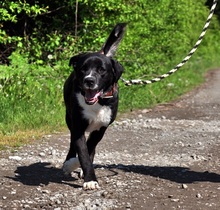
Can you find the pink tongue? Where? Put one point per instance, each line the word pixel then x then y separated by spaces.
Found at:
pixel 91 95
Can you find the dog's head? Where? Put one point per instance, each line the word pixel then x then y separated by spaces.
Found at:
pixel 97 73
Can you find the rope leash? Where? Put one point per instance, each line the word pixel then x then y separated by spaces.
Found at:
pixel 189 55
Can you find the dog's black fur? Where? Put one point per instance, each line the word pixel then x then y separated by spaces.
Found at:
pixel 91 99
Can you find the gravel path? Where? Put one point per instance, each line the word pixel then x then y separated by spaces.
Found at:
pixel 164 158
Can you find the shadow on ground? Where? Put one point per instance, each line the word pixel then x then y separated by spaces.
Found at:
pixel 172 173
pixel 43 173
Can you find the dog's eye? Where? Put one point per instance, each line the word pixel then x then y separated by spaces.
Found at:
pixel 82 71
pixel 101 70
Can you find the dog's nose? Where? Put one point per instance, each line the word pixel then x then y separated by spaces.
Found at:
pixel 89 82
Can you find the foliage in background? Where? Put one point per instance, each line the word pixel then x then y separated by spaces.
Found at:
pixel 37 38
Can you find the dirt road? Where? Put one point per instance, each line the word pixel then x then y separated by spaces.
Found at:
pixel 165 158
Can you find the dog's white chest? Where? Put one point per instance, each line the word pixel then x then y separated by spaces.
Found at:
pixel 96 114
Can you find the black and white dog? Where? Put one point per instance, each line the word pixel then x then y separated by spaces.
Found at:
pixel 91 99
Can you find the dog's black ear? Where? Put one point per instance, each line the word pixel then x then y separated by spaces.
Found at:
pixel 111 45
pixel 73 61
pixel 117 69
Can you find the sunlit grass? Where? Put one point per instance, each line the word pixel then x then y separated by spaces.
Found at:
pixel 24 121
pixel 19 138
pixel 184 80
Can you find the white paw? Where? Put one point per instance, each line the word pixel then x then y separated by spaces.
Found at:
pixel 70 165
pixel 92 185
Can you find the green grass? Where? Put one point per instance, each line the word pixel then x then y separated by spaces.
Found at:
pixel 34 107
pixel 182 81
pixel 23 121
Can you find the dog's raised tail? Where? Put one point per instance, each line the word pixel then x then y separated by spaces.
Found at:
pixel 110 46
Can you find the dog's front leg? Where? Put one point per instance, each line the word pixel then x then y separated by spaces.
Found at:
pixel 72 162
pixel 94 138
pixel 90 181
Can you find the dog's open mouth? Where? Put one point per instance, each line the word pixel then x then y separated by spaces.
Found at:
pixel 91 96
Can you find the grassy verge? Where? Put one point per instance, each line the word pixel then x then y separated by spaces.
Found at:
pixel 19 138
pixel 25 121
pixel 32 97
pixel 184 80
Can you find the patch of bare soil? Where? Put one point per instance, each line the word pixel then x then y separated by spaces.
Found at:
pixel 165 158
